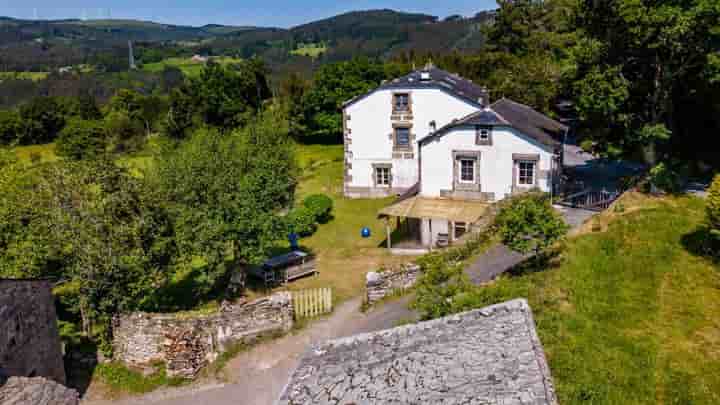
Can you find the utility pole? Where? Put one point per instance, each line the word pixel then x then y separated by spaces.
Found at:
pixel 133 66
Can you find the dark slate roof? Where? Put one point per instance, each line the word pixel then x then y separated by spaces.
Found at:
pixel 506 112
pixel 439 79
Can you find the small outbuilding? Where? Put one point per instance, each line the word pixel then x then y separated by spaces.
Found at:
pixel 486 356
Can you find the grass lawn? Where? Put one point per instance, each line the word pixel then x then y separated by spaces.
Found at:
pixel 630 315
pixel 45 153
pixel 187 65
pixel 34 76
pixel 312 50
pixel 343 256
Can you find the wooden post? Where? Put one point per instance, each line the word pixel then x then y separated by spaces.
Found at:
pixel 389 233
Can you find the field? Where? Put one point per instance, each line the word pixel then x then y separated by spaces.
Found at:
pixel 630 315
pixel 311 50
pixel 187 65
pixel 34 76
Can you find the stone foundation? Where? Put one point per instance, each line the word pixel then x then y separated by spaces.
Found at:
pixel 380 284
pixel 187 344
pixel 32 391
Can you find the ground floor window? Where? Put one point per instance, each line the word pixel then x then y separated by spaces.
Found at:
pixel 526 173
pixel 382 176
pixel 460 229
pixel 467 170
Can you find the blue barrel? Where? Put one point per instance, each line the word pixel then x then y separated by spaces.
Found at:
pixel 365 232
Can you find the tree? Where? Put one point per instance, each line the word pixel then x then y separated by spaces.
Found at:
pixel 81 140
pixel 650 50
pixel 180 118
pixel 10 126
pixel 529 223
pixel 225 191
pixel 43 118
pixel 333 85
pixel 171 78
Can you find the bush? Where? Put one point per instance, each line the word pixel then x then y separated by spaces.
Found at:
pixel 528 223
pixel 320 205
pixel 302 221
pixel 81 140
pixel 665 178
pixel 713 207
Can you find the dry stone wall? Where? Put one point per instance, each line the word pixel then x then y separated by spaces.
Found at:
pixel 36 391
pixel 380 284
pixel 187 344
pixel 29 339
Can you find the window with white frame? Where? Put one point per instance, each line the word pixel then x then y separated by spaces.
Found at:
pixel 526 173
pixel 382 176
pixel 467 170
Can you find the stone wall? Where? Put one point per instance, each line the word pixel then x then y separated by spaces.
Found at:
pixel 29 339
pixel 187 344
pixel 36 391
pixel 380 284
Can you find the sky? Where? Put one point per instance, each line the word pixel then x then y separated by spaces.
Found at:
pixel 275 13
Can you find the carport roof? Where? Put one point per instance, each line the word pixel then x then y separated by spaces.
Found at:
pixel 436 208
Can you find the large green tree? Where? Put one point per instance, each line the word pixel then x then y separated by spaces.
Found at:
pixel 225 191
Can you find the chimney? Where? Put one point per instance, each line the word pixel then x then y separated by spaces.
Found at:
pixel 484 98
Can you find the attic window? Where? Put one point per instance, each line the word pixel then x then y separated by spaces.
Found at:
pixel 401 102
pixel 483 135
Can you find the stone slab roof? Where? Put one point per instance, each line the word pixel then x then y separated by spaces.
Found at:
pixel 487 356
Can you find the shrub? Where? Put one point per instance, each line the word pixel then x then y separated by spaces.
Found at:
pixel 528 223
pixel 81 140
pixel 320 205
pixel 713 207
pixel 302 221
pixel 665 178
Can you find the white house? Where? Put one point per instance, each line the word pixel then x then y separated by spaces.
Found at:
pixel 433 138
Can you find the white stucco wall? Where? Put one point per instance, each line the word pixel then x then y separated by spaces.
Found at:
pixel 370 125
pixel 496 160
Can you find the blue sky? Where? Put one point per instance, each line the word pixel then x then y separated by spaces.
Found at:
pixel 279 13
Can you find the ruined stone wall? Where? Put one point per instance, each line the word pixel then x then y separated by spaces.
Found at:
pixel 380 284
pixel 36 391
pixel 29 339
pixel 186 344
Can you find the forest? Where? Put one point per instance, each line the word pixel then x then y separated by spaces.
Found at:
pixel 637 79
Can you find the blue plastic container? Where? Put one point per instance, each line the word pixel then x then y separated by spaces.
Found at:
pixel 365 232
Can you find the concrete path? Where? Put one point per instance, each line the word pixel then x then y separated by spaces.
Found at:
pixel 500 258
pixel 259 375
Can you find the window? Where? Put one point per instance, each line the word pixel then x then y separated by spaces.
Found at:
pixel 402 137
pixel 401 102
pixel 483 135
pixel 460 229
pixel 467 170
pixel 382 176
pixel 526 173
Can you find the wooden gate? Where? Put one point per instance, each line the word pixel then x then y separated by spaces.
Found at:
pixel 311 303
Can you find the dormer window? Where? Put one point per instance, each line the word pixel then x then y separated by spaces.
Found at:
pixel 401 102
pixel 483 135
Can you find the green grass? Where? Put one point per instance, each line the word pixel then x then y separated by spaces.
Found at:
pixel 187 65
pixel 312 50
pixel 629 315
pixel 121 380
pixel 36 153
pixel 343 256
pixel 34 76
